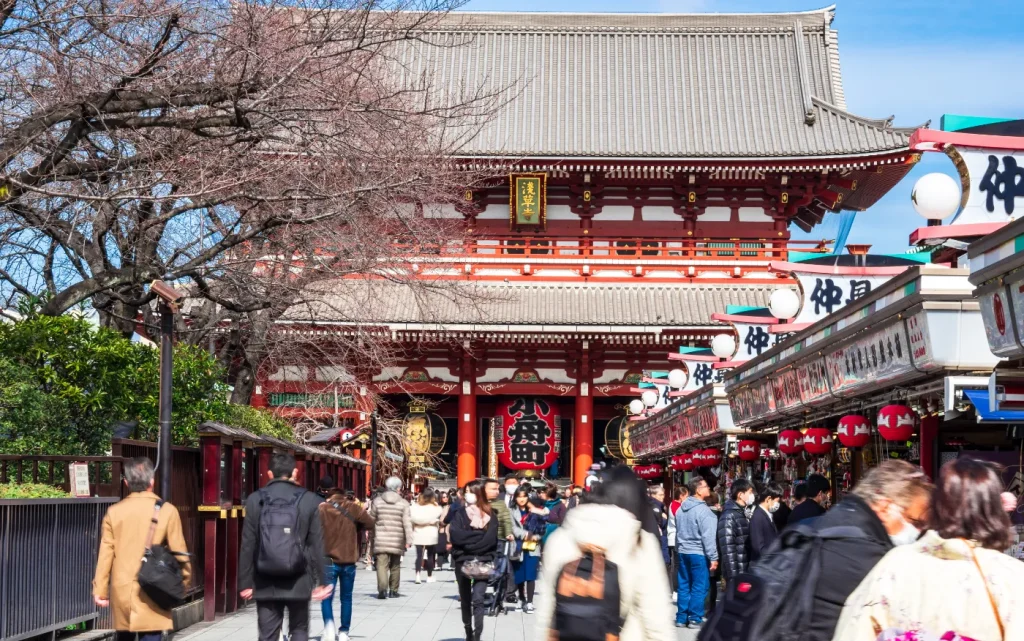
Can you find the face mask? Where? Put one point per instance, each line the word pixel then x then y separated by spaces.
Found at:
pixel 511 489
pixel 775 507
pixel 471 498
pixel 748 499
pixel 908 534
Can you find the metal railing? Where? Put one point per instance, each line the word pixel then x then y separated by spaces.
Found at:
pixel 48 551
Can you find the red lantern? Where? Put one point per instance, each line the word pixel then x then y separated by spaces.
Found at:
pixel 818 441
pixel 896 422
pixel 682 463
pixel 648 472
pixel 529 433
pixel 748 450
pixel 698 458
pixel 688 464
pixel 712 457
pixel 854 431
pixel 791 442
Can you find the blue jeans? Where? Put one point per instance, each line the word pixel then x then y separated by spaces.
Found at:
pixel 346 578
pixel 694 580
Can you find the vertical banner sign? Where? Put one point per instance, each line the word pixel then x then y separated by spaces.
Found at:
pixel 529 433
pixel 528 200
pixel 80 480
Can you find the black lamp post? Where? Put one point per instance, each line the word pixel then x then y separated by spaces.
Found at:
pixel 169 301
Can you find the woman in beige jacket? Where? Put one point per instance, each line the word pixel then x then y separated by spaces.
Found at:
pixel 617 518
pixel 425 515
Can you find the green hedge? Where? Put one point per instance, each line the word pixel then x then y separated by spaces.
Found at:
pixel 31 491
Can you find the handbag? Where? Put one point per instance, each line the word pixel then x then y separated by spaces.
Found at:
pixel 478 570
pixel 530 546
pixel 160 574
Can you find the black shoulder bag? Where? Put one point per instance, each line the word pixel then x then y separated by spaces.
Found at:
pixel 160 574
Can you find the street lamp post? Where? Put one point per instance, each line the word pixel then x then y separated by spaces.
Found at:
pixel 169 301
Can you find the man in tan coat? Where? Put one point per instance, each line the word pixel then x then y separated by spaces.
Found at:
pixel 125 528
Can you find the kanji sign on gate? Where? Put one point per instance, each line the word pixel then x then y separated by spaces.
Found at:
pixel 530 433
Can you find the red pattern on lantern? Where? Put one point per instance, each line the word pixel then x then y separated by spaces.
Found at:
pixel 529 433
pixel 818 441
pixel 854 431
pixel 648 472
pixel 712 457
pixel 896 422
pixel 748 450
pixel 791 442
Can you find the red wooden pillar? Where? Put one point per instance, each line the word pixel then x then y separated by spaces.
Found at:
pixel 467 437
pixel 300 466
pixel 583 454
pixel 210 510
pixel 929 445
pixel 263 454
pixel 234 529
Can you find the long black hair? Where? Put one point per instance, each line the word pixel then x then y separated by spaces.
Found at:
pixel 618 486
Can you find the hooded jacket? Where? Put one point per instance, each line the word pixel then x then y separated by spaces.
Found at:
pixel 394 526
pixel 643 584
pixel 695 529
pixel 425 522
pixel 734 540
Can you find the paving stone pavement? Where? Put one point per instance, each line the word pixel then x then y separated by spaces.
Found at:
pixel 425 612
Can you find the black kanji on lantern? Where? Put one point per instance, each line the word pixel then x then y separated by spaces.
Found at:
pixel 826 294
pixel 702 374
pixel 757 340
pixel 858 289
pixel 528 436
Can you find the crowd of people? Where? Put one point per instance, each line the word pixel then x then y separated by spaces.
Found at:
pixel 899 558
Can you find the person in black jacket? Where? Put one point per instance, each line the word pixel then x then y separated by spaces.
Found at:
pixel 762 527
pixel 274 594
pixel 818 490
pixel 473 536
pixel 734 530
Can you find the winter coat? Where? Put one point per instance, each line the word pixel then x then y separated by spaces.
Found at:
pixel 734 540
pixel 527 525
pixel 123 543
pixel 762 533
pixel 425 520
pixel 844 563
pixel 661 519
pixel 472 543
pixel 695 529
pixel 504 516
pixel 443 525
pixel 274 588
pixel 393 532
pixel 556 515
pixel 781 517
pixel 342 533
pixel 934 586
pixel 807 510
pixel 644 600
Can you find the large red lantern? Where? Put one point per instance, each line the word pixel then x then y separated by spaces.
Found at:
pixel 818 441
pixel 748 450
pixel 896 422
pixel 854 431
pixel 791 442
pixel 682 463
pixel 688 464
pixel 712 457
pixel 648 472
pixel 698 458
pixel 530 433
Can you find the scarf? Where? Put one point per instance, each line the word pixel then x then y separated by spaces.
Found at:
pixel 477 519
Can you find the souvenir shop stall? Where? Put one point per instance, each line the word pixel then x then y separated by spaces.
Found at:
pixel 865 383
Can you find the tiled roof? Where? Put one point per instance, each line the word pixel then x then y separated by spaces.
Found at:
pixel 559 304
pixel 650 85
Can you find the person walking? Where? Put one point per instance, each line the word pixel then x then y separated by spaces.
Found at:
pixel 734 530
pixel 617 519
pixel 392 536
pixel 528 526
pixel 326 487
pixel 441 551
pixel 955 578
pixel 781 516
pixel 660 511
pixel 697 553
pixel 127 526
pixel 762 527
pixel 817 489
pixel 474 537
pixel 509 490
pixel 556 510
pixel 343 522
pixel 425 514
pixel 492 491
pixel 280 563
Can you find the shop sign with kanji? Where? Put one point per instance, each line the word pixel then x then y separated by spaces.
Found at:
pixel 530 433
pixel 528 200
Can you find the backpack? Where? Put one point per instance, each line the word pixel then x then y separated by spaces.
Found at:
pixel 587 599
pixel 160 573
pixel 773 601
pixel 281 551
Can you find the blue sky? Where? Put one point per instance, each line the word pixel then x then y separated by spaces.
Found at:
pixel 909 58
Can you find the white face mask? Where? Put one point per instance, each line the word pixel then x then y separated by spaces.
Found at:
pixel 775 507
pixel 748 500
pixel 908 534
pixel 511 489
pixel 471 498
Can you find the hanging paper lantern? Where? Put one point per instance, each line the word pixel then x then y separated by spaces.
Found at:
pixel 648 472
pixel 698 458
pixel 688 463
pixel 854 431
pixel 712 457
pixel 681 463
pixel 530 433
pixel 896 422
pixel 791 442
pixel 818 441
pixel 748 450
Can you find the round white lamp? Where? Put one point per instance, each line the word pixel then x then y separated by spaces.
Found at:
pixel 935 196
pixel 649 398
pixel 636 407
pixel 784 304
pixel 723 346
pixel 676 379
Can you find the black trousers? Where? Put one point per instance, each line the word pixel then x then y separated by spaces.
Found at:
pixel 270 618
pixel 425 558
pixel 143 636
pixel 471 598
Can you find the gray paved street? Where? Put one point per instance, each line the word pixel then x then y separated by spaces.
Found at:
pixel 426 612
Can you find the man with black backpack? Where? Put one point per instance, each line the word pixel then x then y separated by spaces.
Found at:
pixel 281 560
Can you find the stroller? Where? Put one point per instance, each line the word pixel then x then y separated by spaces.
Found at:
pixel 497 584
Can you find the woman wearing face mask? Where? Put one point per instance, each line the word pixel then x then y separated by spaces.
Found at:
pixel 953 580
pixel 734 530
pixel 474 536
pixel 762 524
pixel 528 526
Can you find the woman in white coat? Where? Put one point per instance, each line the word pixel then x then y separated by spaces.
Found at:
pixel 425 515
pixel 615 517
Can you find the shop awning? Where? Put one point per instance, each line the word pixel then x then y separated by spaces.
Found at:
pixel 979 398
